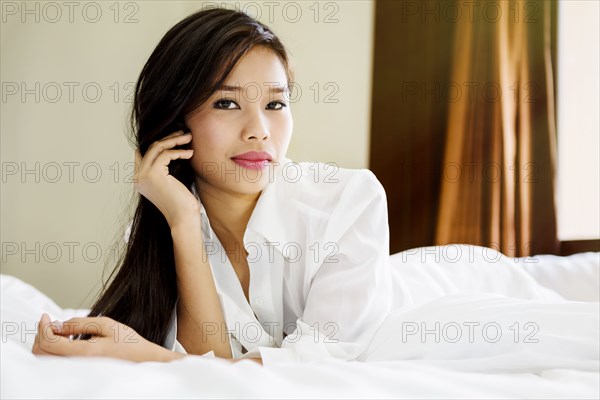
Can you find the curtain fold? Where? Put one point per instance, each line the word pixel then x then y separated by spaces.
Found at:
pixel 499 165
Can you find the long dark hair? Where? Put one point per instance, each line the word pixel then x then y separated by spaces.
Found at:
pixel 191 61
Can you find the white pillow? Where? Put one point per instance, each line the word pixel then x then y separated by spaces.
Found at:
pixel 426 273
pixel 22 306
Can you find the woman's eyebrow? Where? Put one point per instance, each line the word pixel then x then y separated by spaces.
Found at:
pixel 237 88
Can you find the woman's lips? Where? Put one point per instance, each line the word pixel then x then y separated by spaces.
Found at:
pixel 251 164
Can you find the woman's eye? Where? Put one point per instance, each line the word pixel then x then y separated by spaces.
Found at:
pixel 282 104
pixel 224 104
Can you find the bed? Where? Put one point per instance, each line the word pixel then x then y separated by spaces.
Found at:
pixel 450 284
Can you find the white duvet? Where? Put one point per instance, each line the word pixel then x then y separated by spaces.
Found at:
pixel 473 324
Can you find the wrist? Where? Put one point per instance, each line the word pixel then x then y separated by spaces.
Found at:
pixel 184 215
pixel 166 355
pixel 190 223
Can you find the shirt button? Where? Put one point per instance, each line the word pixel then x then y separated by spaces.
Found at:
pixel 258 301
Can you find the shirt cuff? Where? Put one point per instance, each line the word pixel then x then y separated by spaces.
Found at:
pixel 177 347
pixel 272 355
pixel 307 345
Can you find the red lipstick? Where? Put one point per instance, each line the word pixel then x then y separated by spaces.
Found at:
pixel 253 159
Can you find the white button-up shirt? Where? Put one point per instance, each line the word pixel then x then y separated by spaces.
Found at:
pixel 320 276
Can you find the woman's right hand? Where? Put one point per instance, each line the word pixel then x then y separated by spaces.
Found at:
pixel 153 181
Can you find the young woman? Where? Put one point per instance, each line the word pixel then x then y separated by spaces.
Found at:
pixel 234 250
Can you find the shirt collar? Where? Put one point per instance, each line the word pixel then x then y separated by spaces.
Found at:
pixel 275 216
pixel 269 219
pixel 204 217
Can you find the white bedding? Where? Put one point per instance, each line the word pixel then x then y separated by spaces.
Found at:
pixel 453 286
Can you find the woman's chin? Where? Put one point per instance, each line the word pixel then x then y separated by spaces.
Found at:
pixel 248 187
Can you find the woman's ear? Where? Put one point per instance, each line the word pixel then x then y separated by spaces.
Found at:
pixel 180 125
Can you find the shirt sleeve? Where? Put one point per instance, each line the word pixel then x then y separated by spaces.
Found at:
pixel 352 291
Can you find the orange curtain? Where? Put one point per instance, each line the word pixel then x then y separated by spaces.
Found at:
pixel 499 165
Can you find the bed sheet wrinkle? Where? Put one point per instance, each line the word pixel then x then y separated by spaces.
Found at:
pixel 556 294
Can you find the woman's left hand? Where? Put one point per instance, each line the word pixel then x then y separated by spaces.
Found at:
pixel 109 339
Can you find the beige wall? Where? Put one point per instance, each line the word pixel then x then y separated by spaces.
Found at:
pixel 578 100
pixel 65 156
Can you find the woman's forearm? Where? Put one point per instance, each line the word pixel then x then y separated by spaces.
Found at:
pixel 200 322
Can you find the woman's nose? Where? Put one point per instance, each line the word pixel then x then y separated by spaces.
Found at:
pixel 256 128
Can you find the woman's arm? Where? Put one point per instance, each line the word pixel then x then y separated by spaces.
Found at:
pixel 200 321
pixel 198 307
pixel 110 339
pixel 199 312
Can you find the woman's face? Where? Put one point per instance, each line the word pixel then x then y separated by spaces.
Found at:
pixel 233 122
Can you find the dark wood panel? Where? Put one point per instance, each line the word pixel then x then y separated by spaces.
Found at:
pixel 409 112
pixel 579 246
